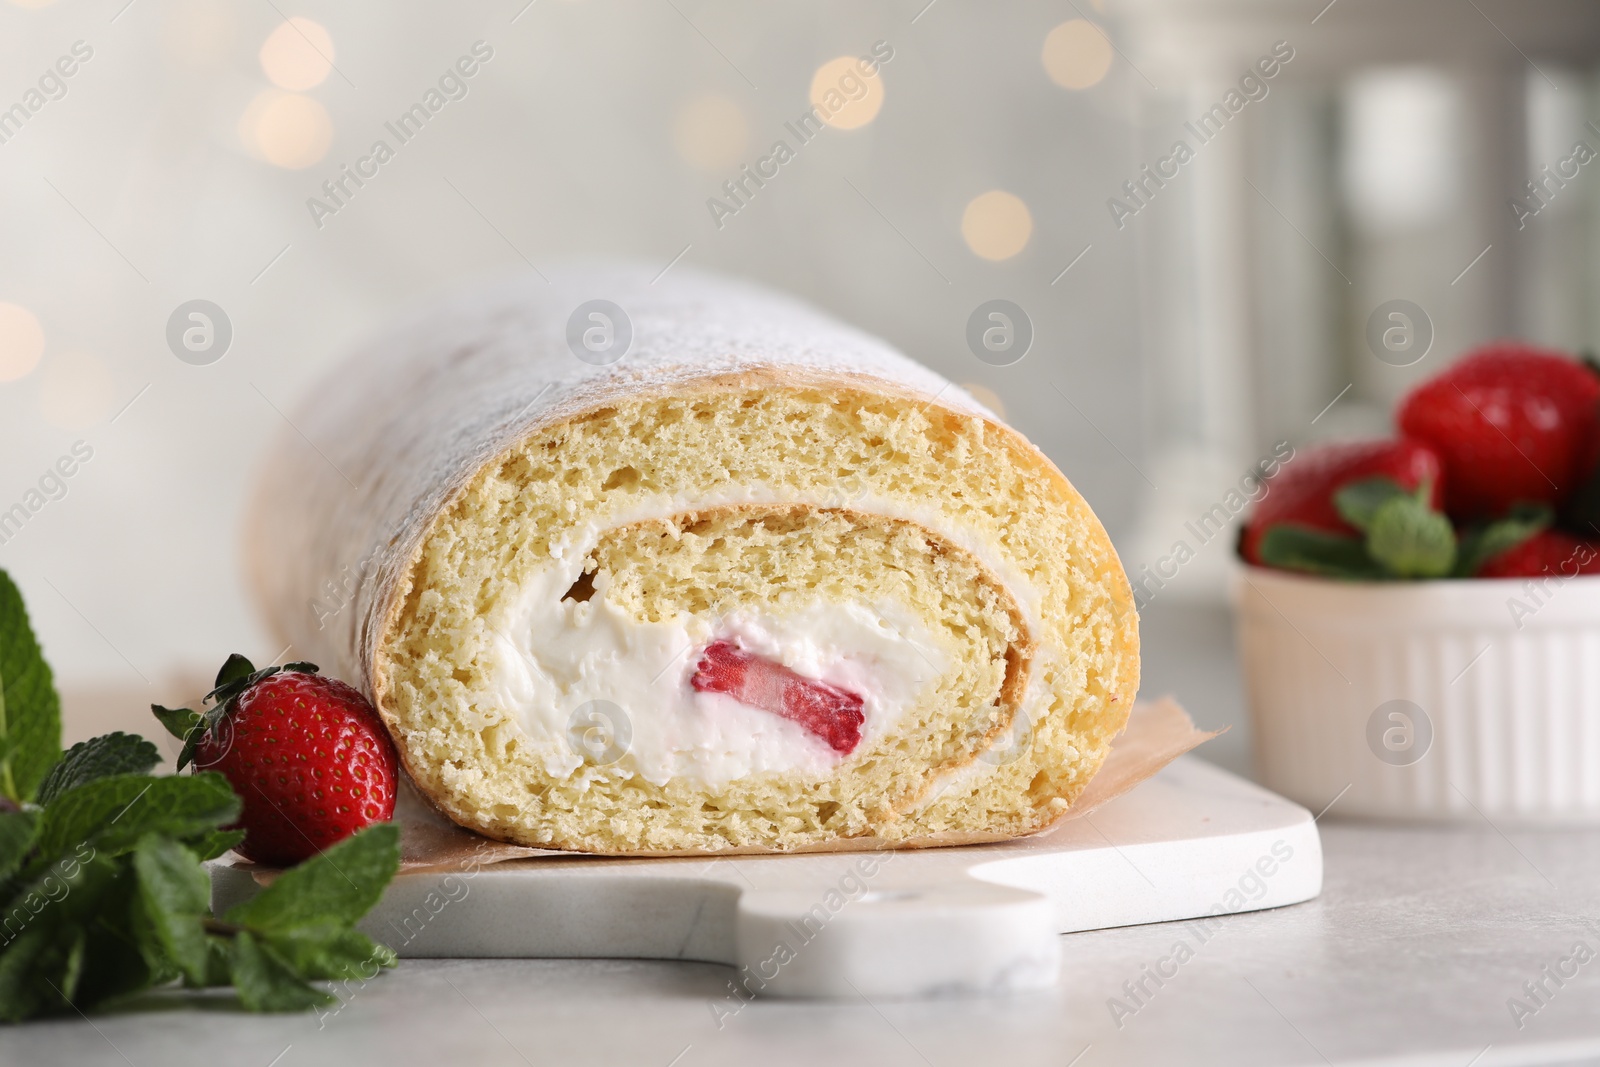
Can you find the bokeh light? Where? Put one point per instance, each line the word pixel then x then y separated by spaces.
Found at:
pixel 996 224
pixel 76 390
pixel 21 342
pixel 1077 54
pixel 844 96
pixel 298 54
pixel 286 129
pixel 710 132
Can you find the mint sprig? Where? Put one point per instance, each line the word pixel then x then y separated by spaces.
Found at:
pixel 18 831
pixel 304 922
pixel 1483 542
pixel 1400 536
pixel 1411 540
pixel 104 894
pixel 1300 548
pixel 112 814
pixel 101 757
pixel 30 710
pixel 1359 502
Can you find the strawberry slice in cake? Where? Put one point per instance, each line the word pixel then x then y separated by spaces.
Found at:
pixel 831 713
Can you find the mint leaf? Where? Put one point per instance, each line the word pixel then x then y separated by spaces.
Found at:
pixel 219 961
pixel 344 954
pixel 1483 543
pixel 77 947
pixel 81 911
pixel 1411 540
pixel 99 757
pixel 113 813
pixel 210 846
pixel 1300 548
pixel 53 894
pixel 266 983
pixel 175 898
pixel 30 710
pixel 115 962
pixel 1358 502
pixel 18 829
pixel 333 888
pixel 22 994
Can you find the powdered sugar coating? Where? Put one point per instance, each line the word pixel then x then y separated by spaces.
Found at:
pixel 348 493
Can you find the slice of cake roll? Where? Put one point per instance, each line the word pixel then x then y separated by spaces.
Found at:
pixel 686 567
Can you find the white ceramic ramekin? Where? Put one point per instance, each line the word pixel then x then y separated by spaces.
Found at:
pixel 1453 699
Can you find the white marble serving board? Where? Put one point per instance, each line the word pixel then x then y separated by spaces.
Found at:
pixel 1192 841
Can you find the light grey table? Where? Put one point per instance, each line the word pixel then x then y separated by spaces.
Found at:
pixel 1420 939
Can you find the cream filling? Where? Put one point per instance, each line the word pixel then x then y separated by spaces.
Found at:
pixel 552 658
pixel 599 692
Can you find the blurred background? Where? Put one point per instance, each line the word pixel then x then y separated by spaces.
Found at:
pixel 1190 308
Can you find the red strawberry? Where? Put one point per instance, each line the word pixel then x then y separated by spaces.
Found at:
pixel 307 755
pixel 1549 552
pixel 831 713
pixel 1512 424
pixel 1302 492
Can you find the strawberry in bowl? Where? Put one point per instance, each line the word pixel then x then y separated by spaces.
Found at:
pixel 1513 424
pixel 1417 616
pixel 1304 521
pixel 1370 510
pixel 1548 552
